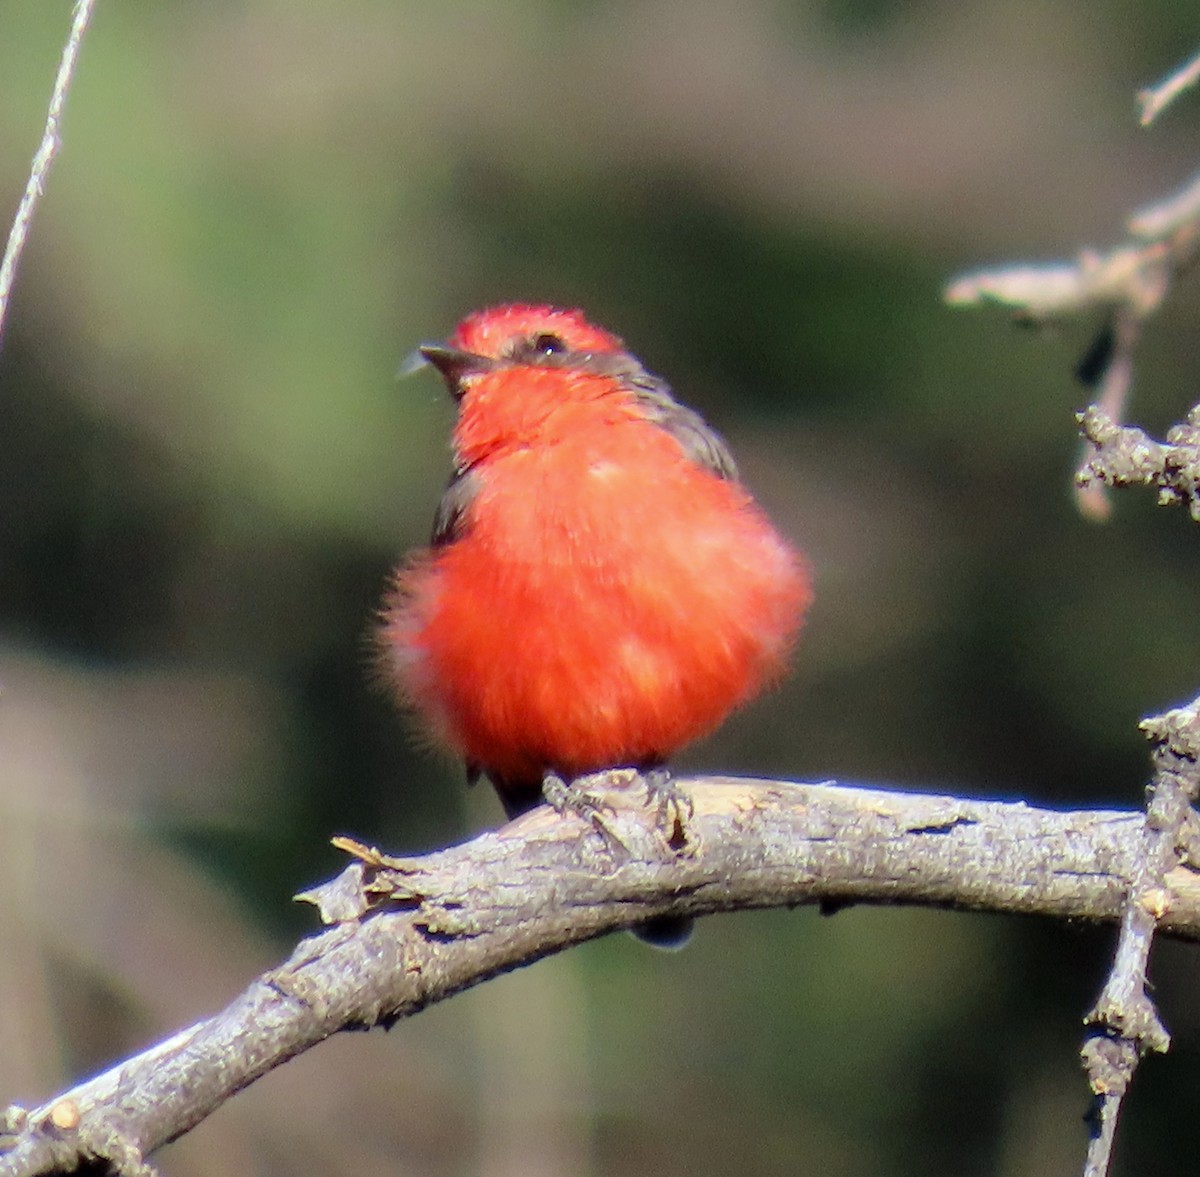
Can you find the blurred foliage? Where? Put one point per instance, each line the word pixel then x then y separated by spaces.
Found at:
pixel 207 469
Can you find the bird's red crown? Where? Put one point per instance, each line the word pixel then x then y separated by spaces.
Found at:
pixel 493 331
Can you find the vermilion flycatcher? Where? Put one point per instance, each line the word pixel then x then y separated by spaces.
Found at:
pixel 600 589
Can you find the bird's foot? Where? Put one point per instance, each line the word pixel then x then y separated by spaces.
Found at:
pixel 674 809
pixel 565 796
pixel 673 813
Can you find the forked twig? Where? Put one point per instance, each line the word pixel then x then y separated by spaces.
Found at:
pixel 1125 1023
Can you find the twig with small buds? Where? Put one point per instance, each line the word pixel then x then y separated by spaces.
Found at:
pixel 1124 455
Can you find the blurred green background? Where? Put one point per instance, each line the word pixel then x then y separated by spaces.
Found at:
pixel 207 469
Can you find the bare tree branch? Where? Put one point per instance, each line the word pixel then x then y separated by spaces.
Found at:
pixel 1126 285
pixel 1130 282
pixel 1125 1021
pixel 48 149
pixel 413 932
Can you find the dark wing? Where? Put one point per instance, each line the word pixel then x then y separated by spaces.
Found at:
pixel 448 519
pixel 703 444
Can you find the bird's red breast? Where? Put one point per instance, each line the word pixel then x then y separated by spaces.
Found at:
pixel 601 590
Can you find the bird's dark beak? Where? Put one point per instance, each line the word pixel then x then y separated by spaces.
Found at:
pixel 454 365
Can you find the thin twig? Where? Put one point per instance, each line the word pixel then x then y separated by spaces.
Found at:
pixel 40 169
pixel 1113 378
pixel 1154 99
pixel 1126 285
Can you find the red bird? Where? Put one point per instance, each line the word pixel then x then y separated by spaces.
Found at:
pixel 601 589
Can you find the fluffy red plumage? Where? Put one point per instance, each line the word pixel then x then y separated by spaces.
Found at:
pixel 601 589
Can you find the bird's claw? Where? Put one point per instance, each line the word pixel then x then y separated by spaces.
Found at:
pixel 674 809
pixel 564 797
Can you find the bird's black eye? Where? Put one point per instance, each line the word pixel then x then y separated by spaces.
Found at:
pixel 548 345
